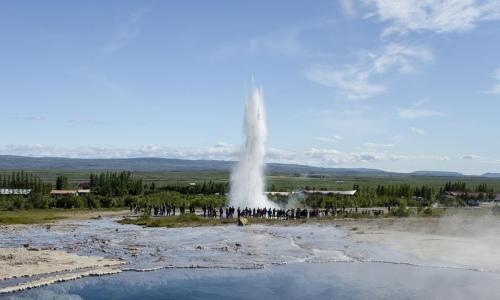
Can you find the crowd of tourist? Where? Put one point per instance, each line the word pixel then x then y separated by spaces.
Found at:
pixel 209 211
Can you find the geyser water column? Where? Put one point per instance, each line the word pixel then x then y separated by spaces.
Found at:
pixel 247 178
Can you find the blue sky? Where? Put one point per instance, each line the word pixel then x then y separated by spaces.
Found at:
pixel 397 85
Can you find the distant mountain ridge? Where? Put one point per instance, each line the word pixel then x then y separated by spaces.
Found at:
pixel 492 175
pixel 159 165
pixel 437 173
pixel 162 165
pixel 147 164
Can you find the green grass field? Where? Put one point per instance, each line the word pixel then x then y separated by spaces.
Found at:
pixel 281 182
pixel 38 216
pixel 190 220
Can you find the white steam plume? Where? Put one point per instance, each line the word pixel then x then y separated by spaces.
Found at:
pixel 247 178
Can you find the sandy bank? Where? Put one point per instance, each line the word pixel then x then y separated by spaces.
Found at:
pixel 22 262
pixel 43 216
pixel 89 214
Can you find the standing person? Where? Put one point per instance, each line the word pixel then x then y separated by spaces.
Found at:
pixel 221 212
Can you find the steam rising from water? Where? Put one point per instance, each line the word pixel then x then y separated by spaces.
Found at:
pixel 247 178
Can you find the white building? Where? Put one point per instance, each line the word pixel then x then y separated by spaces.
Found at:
pixel 15 192
pixel 344 193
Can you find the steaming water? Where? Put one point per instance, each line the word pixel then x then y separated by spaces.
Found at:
pixel 247 179
pixel 293 281
pixel 292 262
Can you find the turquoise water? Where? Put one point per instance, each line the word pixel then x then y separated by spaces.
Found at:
pixel 292 281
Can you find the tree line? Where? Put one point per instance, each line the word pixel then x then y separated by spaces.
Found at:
pixel 122 189
pixel 405 190
pixel 205 188
pixel 115 184
pixel 24 180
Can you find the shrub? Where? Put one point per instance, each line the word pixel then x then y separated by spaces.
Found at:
pixel 39 201
pixel 400 211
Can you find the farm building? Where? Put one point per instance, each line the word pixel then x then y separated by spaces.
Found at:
pixel 309 192
pixel 69 192
pixel 343 193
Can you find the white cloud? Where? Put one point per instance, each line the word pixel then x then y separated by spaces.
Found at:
pixel 470 156
pixel 332 139
pixel 401 57
pixel 496 75
pixel 422 101
pixel 418 131
pixel 420 157
pixel 418 111
pixel 440 16
pixel 412 113
pixel 495 88
pixel 332 157
pixel 352 81
pixel 356 81
pixel 377 145
pixel 284 42
pixel 30 117
pixel 128 32
pixel 348 8
pixel 220 151
pixel 86 122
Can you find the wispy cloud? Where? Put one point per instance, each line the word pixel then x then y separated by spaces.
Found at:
pixel 440 16
pixel 401 57
pixel 417 110
pixel 377 145
pixel 495 88
pixel 220 151
pixel 128 32
pixel 287 41
pixel 420 157
pixel 333 157
pixel 29 117
pixel 418 131
pixel 356 81
pixel 99 80
pixel 348 7
pixel 282 42
pixel 470 157
pixel 332 139
pixel 412 113
pixel 422 101
pixel 86 122
pixel 352 81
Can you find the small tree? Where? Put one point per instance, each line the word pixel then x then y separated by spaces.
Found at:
pixel 62 183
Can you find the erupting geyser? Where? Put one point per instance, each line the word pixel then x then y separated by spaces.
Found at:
pixel 247 178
